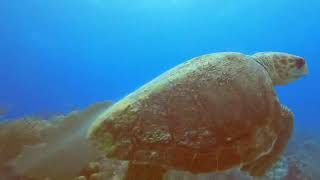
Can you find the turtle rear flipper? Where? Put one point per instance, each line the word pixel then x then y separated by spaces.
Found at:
pixel 261 165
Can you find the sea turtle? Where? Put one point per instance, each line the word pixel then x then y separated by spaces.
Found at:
pixel 209 114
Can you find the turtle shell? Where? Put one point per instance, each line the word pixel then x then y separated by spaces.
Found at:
pixel 208 114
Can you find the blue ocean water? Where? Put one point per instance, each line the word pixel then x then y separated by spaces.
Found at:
pixel 59 55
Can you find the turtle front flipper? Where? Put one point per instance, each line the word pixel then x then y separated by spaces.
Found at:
pixel 260 166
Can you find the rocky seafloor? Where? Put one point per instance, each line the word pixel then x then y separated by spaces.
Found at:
pixel 25 142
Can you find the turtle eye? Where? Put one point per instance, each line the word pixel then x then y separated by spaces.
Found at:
pixel 300 63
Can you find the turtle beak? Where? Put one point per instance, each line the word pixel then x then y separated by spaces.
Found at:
pixel 300 63
pixel 302 67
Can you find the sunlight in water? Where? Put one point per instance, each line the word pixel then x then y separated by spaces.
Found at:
pixel 143 4
pixel 186 8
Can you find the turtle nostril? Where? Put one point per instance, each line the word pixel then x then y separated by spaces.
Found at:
pixel 300 63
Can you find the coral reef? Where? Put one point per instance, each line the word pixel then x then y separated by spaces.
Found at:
pixel 29 146
pixel 104 169
pixel 14 135
pixel 56 149
pixel 304 157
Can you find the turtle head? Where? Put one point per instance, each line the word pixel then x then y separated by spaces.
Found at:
pixel 283 68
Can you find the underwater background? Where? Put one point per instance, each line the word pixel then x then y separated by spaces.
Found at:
pixel 60 55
